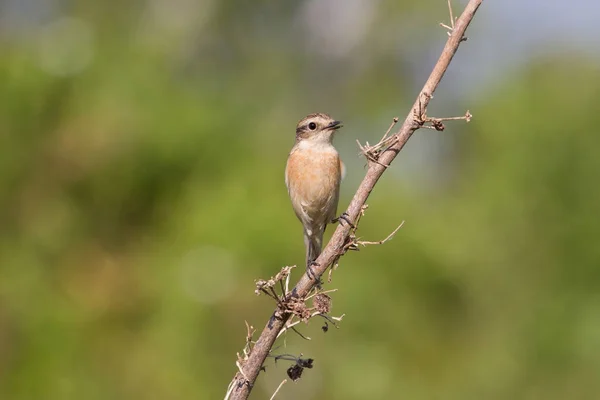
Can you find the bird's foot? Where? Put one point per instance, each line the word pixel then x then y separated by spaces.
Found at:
pixel 343 217
pixel 311 274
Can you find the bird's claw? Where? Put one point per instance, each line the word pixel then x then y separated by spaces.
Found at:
pixel 311 274
pixel 344 217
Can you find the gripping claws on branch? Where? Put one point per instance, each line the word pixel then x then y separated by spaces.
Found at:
pixel 343 217
pixel 311 273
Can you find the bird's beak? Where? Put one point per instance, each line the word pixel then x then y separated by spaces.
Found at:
pixel 335 125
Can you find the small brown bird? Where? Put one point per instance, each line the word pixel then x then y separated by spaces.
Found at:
pixel 312 175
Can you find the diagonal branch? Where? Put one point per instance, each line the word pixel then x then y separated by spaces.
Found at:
pixel 243 382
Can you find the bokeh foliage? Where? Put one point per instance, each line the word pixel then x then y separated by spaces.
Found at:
pixel 141 193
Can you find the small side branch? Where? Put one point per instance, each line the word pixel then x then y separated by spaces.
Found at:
pixel 389 237
pixel 452 22
pixel 437 123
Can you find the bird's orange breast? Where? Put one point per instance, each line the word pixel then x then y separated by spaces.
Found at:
pixel 313 180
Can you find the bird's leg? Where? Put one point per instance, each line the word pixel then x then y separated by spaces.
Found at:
pixel 343 217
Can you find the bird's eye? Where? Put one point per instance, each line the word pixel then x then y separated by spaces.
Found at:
pixel 312 126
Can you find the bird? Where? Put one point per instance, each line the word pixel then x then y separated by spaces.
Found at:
pixel 313 174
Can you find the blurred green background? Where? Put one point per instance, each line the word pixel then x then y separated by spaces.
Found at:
pixel 142 149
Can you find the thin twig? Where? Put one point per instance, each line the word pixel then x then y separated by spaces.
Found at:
pixel 394 122
pixel 314 314
pixel 333 320
pixel 278 387
pixel 229 389
pixel 287 326
pixel 451 27
pixel 300 334
pixel 467 117
pixel 452 23
pixel 323 291
pixel 437 123
pixel 389 237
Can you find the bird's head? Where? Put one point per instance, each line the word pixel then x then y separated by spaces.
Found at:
pixel 317 128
